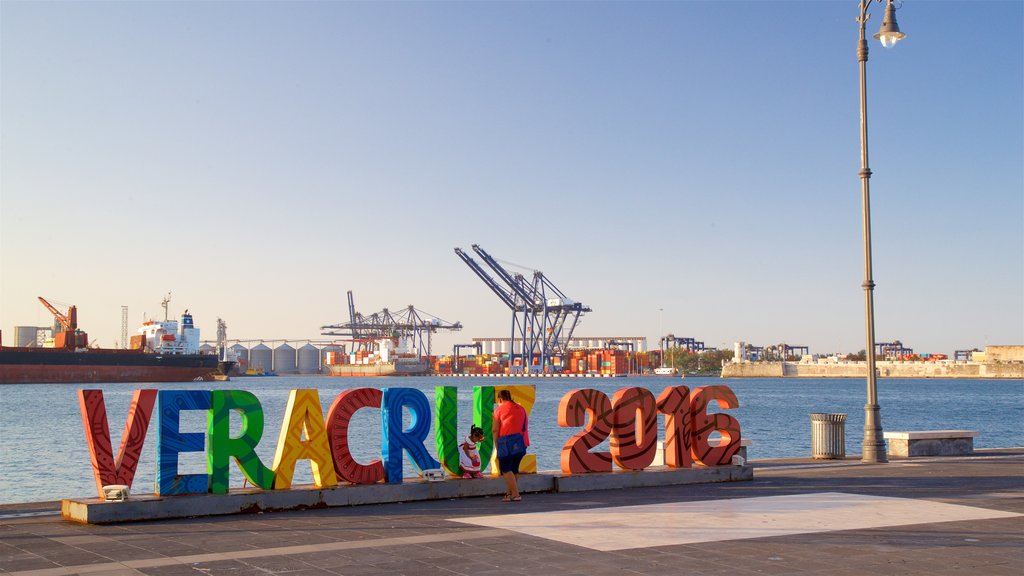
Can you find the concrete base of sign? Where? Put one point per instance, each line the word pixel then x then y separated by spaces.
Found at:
pixel 652 477
pixel 659 454
pixel 139 507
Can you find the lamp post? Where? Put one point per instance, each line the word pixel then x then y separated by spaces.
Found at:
pixel 661 337
pixel 888 35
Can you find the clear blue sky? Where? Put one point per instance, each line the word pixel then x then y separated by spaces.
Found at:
pixel 260 159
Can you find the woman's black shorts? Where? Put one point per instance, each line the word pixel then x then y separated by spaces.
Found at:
pixel 510 463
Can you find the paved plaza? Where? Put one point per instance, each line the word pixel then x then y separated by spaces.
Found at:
pixel 951 515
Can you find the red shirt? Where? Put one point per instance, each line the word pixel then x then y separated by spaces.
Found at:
pixel 511 418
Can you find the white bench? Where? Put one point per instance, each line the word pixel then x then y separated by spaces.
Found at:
pixel 931 443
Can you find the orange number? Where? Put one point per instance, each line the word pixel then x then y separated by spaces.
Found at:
pixel 634 428
pixel 704 424
pixel 594 408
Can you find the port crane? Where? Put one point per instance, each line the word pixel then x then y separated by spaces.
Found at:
pixel 775 352
pixel 630 348
pixel 964 355
pixel 689 344
pixel 457 366
pixel 408 324
pixel 69 336
pixel 543 317
pixel 894 350
pixel 69 321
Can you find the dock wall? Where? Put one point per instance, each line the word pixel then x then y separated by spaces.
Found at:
pixel 886 369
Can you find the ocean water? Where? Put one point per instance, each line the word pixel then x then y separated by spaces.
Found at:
pixel 43 455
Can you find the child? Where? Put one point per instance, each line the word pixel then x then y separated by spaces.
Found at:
pixel 469 458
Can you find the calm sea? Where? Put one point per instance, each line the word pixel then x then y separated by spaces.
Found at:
pixel 43 455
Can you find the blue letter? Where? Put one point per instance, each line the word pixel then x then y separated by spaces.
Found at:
pixel 171 441
pixel 394 439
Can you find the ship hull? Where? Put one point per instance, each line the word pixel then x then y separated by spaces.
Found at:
pixel 410 368
pixel 54 366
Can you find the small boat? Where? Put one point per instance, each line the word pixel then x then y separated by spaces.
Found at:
pixel 257 371
pixel 664 370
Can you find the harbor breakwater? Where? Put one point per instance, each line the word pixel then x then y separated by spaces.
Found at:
pixel 886 369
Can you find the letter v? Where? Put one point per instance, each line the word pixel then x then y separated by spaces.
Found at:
pixel 97 436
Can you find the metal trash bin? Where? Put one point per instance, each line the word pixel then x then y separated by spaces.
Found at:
pixel 828 436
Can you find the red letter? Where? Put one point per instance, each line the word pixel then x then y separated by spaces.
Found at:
pixel 344 406
pixel 105 469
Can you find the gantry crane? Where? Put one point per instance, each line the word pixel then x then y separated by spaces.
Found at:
pixel 409 325
pixel 689 344
pixel 543 317
pixel 457 363
pixel 893 350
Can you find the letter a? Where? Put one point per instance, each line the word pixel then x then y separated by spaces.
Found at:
pixel 304 415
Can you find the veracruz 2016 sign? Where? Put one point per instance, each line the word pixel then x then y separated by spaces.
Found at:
pixel 628 420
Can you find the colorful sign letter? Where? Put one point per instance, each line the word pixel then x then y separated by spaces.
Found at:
pixel 339 415
pixel 704 424
pixel 172 441
pixel 593 407
pixel 524 395
pixel 105 469
pixel 674 403
pixel 483 416
pixel 395 439
pixel 242 448
pixel 634 437
pixel 304 416
pixel 446 432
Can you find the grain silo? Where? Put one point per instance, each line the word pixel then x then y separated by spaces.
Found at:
pixel 261 358
pixel 241 354
pixel 25 336
pixel 309 359
pixel 284 359
pixel 207 349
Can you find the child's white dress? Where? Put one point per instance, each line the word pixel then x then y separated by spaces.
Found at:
pixel 469 459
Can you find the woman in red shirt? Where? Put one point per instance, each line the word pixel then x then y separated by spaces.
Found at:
pixel 511 437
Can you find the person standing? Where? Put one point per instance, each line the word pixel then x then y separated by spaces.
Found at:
pixel 511 437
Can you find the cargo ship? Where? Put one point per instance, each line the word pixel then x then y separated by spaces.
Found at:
pixel 161 352
pixel 397 367
pixel 387 360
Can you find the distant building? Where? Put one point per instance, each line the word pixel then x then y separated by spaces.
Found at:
pixel 999 354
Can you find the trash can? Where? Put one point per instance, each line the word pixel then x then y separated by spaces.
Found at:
pixel 828 436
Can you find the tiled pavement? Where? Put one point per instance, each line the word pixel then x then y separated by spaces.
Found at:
pixel 920 516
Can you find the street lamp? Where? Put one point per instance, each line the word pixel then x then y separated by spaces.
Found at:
pixel 661 337
pixel 888 35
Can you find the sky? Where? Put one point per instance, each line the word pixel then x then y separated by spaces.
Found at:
pixel 687 167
